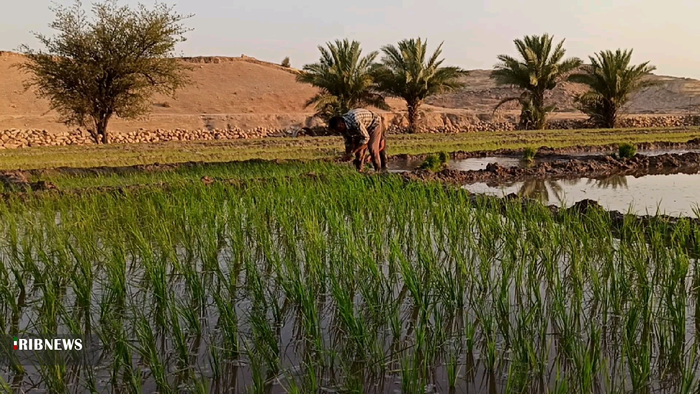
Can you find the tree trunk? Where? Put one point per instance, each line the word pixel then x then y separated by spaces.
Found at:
pixel 611 116
pixel 100 134
pixel 539 115
pixel 412 107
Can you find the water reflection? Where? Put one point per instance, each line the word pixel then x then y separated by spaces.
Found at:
pixel 612 182
pixel 673 194
pixel 539 189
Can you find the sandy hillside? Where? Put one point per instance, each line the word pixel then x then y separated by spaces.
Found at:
pixel 247 93
pixel 671 95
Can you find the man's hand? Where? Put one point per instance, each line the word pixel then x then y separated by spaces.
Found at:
pixel 358 149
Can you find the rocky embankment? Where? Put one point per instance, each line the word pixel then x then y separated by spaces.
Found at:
pixel 15 138
pixel 455 123
pixel 590 167
pixel 435 123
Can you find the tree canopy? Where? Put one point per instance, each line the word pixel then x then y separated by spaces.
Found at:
pixel 344 79
pixel 540 68
pixel 110 64
pixel 407 72
pixel 611 80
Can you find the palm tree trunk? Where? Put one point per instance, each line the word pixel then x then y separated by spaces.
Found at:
pixel 539 115
pixel 412 107
pixel 611 116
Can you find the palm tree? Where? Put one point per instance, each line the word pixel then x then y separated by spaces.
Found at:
pixel 542 66
pixel 406 72
pixel 343 78
pixel 611 80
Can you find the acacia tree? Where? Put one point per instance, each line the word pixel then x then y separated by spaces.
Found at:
pixel 343 78
pixel 408 73
pixel 611 80
pixel 94 69
pixel 541 67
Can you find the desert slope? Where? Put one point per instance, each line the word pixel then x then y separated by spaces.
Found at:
pixel 247 93
pixel 670 95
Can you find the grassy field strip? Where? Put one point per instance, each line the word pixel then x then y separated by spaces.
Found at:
pixel 318 147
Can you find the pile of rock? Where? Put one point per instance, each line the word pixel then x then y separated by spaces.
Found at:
pixel 16 138
pixel 632 122
pixel 161 135
pixel 436 123
pixel 462 124
pixel 661 121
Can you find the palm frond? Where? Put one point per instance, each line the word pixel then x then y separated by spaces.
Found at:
pixel 611 81
pixel 344 78
pixel 540 67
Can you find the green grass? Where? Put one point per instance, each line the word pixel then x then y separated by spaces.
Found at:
pixel 345 282
pixel 626 150
pixel 178 175
pixel 435 162
pixel 319 147
pixel 529 153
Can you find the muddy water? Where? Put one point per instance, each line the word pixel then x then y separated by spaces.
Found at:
pixel 480 163
pixel 674 194
pixel 471 164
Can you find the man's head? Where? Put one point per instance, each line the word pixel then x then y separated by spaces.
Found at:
pixel 337 125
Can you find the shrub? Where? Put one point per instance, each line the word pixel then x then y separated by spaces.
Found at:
pixel 286 63
pixel 626 150
pixel 435 162
pixel 529 153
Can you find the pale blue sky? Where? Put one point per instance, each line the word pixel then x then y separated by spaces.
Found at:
pixel 665 32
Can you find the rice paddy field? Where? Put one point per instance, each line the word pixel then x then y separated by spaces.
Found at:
pixel 310 278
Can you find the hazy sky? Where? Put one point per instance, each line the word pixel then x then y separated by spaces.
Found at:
pixel 474 32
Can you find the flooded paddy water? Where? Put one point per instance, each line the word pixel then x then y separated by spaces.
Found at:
pixel 307 285
pixel 671 194
pixel 675 194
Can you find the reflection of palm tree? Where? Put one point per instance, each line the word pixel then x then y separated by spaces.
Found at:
pixel 612 182
pixel 570 181
pixel 538 189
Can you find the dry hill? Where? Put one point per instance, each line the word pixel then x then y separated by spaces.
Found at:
pixel 670 96
pixel 248 93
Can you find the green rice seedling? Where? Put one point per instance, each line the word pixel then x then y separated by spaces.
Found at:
pixel 179 339
pixel 264 341
pixel 411 381
pixel 626 150
pixel 54 375
pixel 469 334
pixel 529 154
pixel 358 289
pixel 453 370
pixel 435 162
pixel 148 350
pixel 259 382
pixel 688 383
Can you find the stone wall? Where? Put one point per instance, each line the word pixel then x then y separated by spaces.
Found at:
pixel 432 123
pixel 16 138
pixel 457 123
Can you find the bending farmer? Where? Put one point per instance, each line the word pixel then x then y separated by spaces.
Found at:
pixel 362 130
